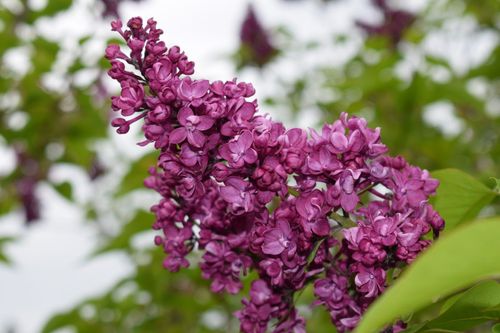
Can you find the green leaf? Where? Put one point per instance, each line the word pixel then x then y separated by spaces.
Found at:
pixel 65 190
pixel 141 222
pixel 60 321
pixel 437 61
pixel 45 55
pixel 459 197
pixel 475 306
pixel 497 185
pixel 53 7
pixel 496 328
pixel 455 261
pixel 138 171
pixel 3 257
pixel 7 200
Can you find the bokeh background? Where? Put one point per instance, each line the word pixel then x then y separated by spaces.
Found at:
pixel 76 250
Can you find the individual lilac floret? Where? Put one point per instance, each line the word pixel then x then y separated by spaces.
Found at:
pixel 370 281
pixel 311 208
pixel 192 128
pixel 131 98
pixel 239 151
pixel 279 239
pixel 297 207
pixel 238 194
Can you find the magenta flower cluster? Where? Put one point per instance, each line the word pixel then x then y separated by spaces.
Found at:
pixel 298 207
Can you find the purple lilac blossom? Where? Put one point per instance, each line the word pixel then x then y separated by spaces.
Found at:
pixel 265 198
pixel 394 24
pixel 26 185
pixel 256 46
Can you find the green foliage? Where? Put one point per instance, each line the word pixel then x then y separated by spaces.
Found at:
pixel 3 258
pixel 69 118
pixel 475 306
pixel 460 197
pixel 142 221
pixel 52 8
pixel 136 174
pixel 456 261
pixel 497 185
pixel 65 190
pixel 151 300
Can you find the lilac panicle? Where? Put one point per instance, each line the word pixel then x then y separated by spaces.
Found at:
pixel 253 195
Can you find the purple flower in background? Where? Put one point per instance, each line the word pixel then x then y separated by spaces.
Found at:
pixel 26 189
pixel 26 185
pixel 394 23
pixel 111 7
pixel 256 47
pixel 265 198
pixel 96 169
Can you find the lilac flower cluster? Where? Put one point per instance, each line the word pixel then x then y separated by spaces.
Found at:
pixel 296 206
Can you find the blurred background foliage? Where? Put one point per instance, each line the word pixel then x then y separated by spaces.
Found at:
pixel 47 114
pixel 432 112
pixel 54 110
